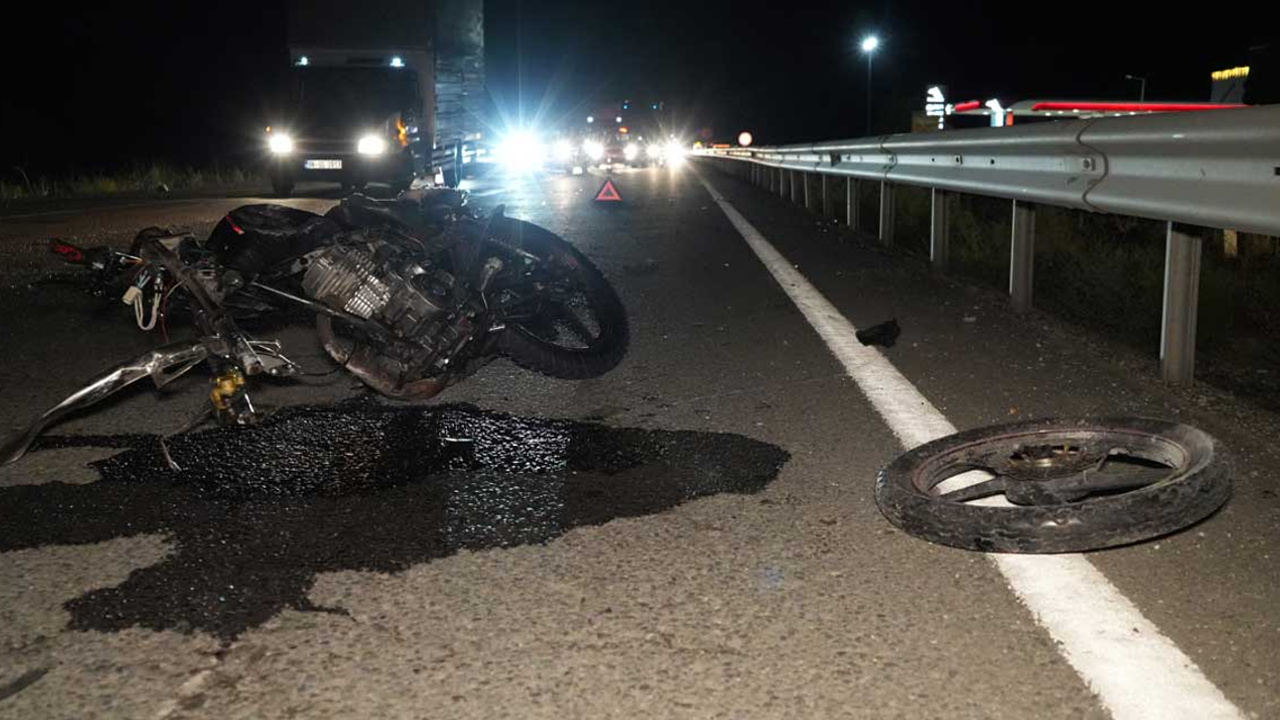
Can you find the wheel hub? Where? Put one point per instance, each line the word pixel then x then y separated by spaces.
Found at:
pixel 1047 474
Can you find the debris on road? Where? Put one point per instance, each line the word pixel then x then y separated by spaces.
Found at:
pixel 1059 485
pixel 884 334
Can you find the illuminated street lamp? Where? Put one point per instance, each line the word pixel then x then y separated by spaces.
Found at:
pixel 869 45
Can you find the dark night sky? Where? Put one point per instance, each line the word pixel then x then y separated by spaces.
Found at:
pixel 178 81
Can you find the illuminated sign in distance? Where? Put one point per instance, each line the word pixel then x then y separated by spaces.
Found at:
pixel 935 101
pixel 1231 73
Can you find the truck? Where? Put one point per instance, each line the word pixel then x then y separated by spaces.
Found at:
pixel 387 93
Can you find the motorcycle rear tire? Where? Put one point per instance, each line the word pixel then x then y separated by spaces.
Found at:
pixel 531 352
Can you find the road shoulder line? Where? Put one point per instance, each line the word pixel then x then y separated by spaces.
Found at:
pixel 1135 670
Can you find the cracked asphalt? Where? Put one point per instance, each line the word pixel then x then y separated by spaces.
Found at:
pixel 735 564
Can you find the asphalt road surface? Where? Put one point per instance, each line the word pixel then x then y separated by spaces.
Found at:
pixel 709 548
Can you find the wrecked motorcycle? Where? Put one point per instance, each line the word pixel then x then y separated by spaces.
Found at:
pixel 409 295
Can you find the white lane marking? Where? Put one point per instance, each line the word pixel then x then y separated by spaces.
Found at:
pixel 1136 672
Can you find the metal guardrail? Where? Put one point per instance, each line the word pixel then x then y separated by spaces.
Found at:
pixel 1216 169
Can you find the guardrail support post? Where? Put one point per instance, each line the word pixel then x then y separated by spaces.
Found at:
pixel 826 197
pixel 808 192
pixel 851 203
pixel 1181 301
pixel 796 177
pixel 1022 255
pixel 782 183
pixel 886 213
pixel 939 229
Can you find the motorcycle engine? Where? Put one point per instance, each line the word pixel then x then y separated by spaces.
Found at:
pixel 349 279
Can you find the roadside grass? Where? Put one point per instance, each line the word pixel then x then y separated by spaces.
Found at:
pixel 17 184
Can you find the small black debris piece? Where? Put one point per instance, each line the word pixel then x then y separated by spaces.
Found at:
pixel 885 334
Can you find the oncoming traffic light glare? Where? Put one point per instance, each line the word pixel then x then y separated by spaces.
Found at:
pixel 521 151
pixel 280 143
pixel 371 145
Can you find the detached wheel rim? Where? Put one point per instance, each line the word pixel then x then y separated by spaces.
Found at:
pixel 1056 485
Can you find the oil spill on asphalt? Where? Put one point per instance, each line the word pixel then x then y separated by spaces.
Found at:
pixel 256 513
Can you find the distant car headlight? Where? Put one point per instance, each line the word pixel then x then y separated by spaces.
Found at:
pixel 675 152
pixel 371 145
pixel 280 143
pixel 593 149
pixel 631 151
pixel 521 151
pixel 564 150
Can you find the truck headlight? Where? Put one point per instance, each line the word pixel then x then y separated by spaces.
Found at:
pixel 371 145
pixel 631 151
pixel 280 143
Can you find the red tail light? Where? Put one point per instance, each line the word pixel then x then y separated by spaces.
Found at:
pixel 70 253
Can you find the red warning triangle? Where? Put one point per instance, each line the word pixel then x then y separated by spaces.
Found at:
pixel 608 193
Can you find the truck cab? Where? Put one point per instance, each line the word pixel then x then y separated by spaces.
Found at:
pixel 353 119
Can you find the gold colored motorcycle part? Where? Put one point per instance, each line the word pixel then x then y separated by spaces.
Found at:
pixel 225 387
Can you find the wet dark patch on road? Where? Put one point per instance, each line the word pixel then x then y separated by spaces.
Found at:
pixel 256 513
pixel 22 682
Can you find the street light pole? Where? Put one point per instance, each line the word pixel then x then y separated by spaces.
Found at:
pixel 868 94
pixel 869 45
pixel 1142 88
